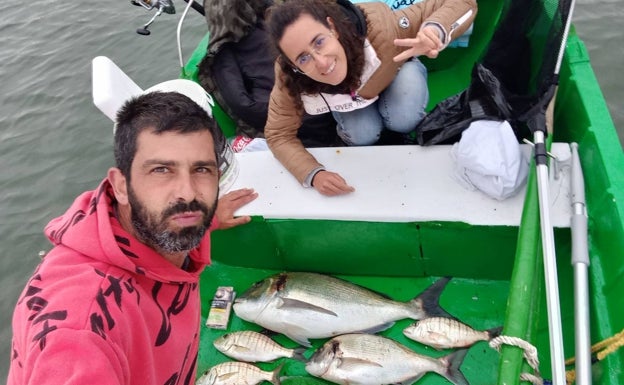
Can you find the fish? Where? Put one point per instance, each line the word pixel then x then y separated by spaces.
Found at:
pixel 251 346
pixel 368 359
pixel 303 306
pixel 238 373
pixel 447 333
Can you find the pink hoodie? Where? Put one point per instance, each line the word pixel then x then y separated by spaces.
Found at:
pixel 103 308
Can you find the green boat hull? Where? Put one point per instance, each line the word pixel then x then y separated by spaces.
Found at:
pixel 497 271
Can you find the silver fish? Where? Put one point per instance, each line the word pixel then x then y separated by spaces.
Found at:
pixel 446 333
pixel 238 373
pixel 366 359
pixel 309 305
pixel 252 346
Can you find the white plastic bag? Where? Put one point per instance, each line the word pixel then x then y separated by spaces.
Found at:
pixel 488 157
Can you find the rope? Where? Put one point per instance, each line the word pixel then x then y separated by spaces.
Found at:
pixel 530 355
pixel 604 347
pixel 599 351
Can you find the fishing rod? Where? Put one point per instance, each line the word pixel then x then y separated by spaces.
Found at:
pixel 539 128
pixel 167 6
pixel 161 6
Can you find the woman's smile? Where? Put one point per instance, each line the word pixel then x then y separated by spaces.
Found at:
pixel 331 68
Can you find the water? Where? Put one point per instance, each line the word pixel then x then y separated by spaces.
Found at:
pixel 54 143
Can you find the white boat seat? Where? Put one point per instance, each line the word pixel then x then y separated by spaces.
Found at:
pixel 406 183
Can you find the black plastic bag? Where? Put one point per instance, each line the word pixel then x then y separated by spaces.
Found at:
pixel 483 99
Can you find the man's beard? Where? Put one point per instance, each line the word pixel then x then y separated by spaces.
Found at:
pixel 152 229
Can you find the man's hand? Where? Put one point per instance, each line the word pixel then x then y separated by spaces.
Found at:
pixel 330 184
pixel 427 42
pixel 231 202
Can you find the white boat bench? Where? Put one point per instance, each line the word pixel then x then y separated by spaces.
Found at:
pixel 406 183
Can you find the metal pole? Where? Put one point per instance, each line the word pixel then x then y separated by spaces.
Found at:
pixel 580 263
pixel 557 357
pixel 179 32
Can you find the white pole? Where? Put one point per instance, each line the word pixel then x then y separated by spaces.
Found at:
pixel 557 357
pixel 179 31
pixel 580 263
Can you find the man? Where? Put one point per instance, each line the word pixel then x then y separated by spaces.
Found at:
pixel 116 300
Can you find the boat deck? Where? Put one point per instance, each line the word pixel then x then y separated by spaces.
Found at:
pixel 404 226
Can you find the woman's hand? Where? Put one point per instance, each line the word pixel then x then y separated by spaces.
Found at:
pixel 330 184
pixel 427 42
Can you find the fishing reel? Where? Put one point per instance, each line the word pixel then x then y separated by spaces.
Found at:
pixel 165 6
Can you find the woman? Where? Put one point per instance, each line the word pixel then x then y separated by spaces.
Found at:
pixel 351 60
pixel 240 75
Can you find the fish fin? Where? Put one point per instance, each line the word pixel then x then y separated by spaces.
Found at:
pixel 300 339
pixel 379 293
pixel 494 332
pixel 452 363
pixel 443 340
pixel 429 300
pixel 268 333
pixel 242 348
pixel 298 354
pixel 296 304
pixel 377 329
pixel 226 376
pixel 351 363
pixel 275 379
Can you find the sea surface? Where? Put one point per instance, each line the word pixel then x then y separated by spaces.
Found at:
pixel 55 144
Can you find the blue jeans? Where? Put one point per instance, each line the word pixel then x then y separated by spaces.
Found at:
pixel 400 107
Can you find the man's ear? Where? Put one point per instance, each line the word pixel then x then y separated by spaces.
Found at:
pixel 120 188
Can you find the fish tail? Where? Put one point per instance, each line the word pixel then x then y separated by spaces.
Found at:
pixel 429 300
pixel 452 363
pixel 298 354
pixel 275 379
pixel 494 332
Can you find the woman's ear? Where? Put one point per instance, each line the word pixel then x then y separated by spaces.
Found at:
pixel 332 27
pixel 120 187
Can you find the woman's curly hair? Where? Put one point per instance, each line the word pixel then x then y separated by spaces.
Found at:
pixel 285 13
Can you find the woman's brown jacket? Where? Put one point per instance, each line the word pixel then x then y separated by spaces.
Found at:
pixel 384 25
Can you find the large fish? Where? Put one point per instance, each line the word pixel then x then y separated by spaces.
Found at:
pixel 446 333
pixel 250 346
pixel 310 305
pixel 238 373
pixel 366 359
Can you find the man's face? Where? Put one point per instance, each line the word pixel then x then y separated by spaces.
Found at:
pixel 173 190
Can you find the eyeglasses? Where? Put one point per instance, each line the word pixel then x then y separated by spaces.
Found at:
pixel 305 62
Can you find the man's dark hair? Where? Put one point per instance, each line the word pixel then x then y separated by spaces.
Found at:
pixel 159 112
pixel 282 15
